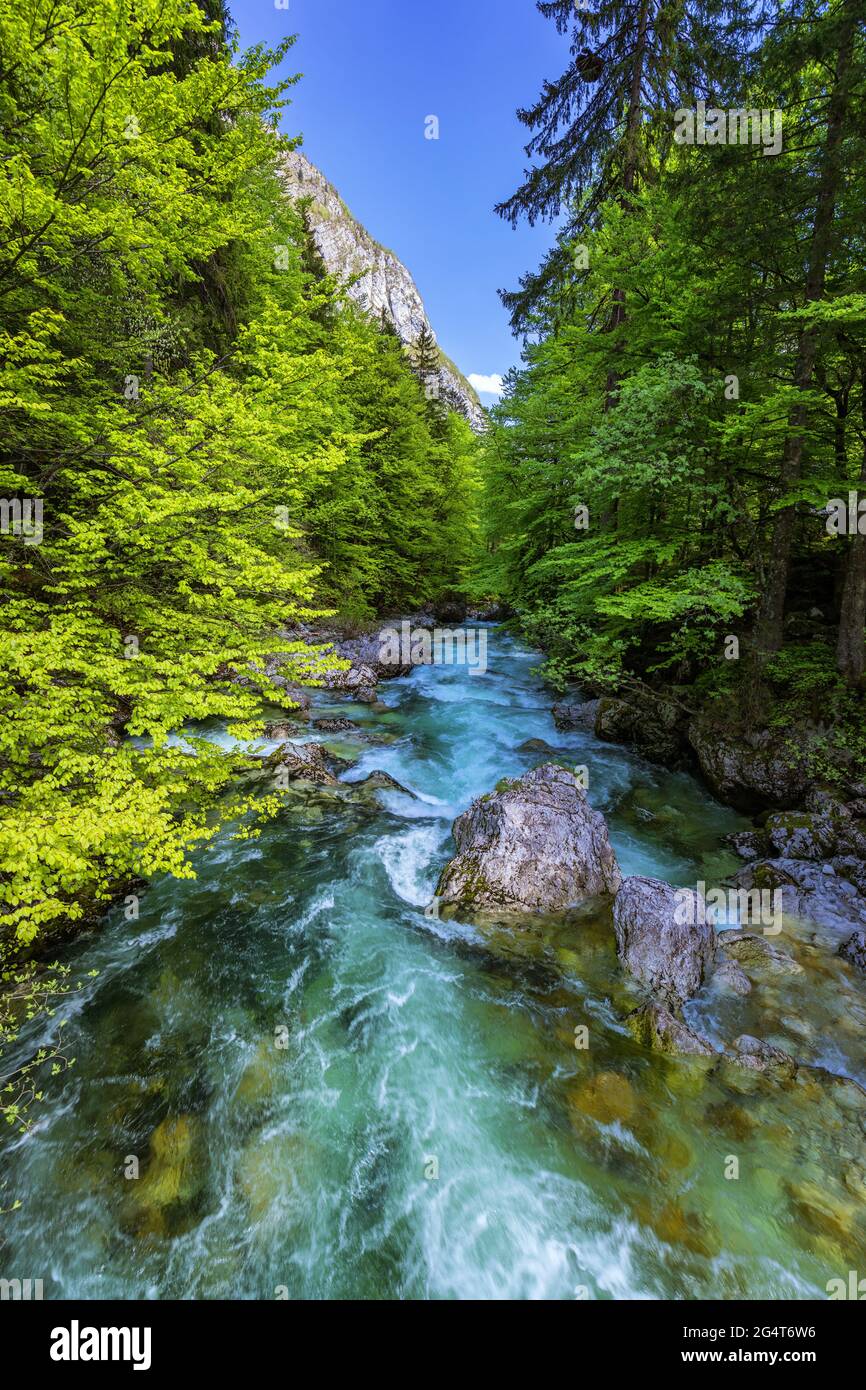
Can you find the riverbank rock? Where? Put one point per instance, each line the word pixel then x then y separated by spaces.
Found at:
pixel 450 610
pixel 288 696
pixel 751 771
pixel 757 953
pixel 800 835
pixel 575 714
pixel 668 955
pixel 748 844
pixel 852 869
pixel 854 950
pixel 375 651
pixel 656 727
pixel 303 762
pixel 490 613
pixel 370 654
pixel 656 1027
pixel 819 893
pixel 359 681
pixel 533 845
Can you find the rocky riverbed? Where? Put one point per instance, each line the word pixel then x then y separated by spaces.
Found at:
pixel 460 1023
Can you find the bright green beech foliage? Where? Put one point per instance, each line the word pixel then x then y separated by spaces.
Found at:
pixel 219 448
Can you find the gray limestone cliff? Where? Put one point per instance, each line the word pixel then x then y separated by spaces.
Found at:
pixel 385 286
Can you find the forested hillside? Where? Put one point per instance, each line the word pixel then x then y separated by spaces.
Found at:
pixel 665 478
pixel 203 441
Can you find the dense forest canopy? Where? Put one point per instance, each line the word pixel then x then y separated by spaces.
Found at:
pixel 664 476
pixel 203 442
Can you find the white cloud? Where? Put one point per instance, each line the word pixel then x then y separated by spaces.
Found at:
pixel 489 385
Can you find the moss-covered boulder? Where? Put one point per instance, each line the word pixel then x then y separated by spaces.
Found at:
pixel 757 954
pixel 660 1030
pixel 801 834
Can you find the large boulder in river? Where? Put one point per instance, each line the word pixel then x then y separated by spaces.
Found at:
pixel 663 937
pixel 533 845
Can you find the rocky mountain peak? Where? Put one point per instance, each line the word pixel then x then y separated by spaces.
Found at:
pixel 384 287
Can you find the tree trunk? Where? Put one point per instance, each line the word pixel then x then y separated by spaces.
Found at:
pixel 629 175
pixel 772 613
pixel 851 646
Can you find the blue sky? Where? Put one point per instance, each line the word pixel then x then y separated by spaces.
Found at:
pixel 374 70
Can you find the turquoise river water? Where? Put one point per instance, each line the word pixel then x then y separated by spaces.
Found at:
pixel 330 1094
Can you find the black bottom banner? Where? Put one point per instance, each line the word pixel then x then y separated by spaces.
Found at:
pixel 60 1339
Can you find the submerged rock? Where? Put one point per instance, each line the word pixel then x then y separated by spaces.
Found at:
pixel 676 1226
pixel 379 781
pixel 537 745
pixel 757 953
pixel 763 1056
pixel 657 1028
pixel 162 1198
pixel 533 845
pixel 731 976
pixel 281 730
pixel 606 1097
pixel 335 726
pixel 821 1211
pixel 668 955
pixel 731 1119
pixel 262 1074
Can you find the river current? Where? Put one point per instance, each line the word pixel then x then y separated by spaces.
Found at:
pixel 328 1093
